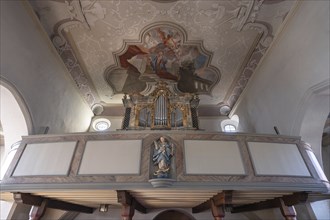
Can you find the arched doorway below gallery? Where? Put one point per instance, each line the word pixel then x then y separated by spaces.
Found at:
pixel 173 214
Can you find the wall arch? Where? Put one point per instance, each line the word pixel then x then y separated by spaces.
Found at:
pixel 173 214
pixel 21 103
pixel 15 120
pixel 326 147
pixel 311 116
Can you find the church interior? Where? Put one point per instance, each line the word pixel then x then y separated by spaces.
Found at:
pixel 165 109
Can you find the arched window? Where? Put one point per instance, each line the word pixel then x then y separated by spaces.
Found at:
pixel 229 128
pixel 230 125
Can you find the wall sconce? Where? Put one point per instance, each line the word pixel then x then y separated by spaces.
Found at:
pixel 103 207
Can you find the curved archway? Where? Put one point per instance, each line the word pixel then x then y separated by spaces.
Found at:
pixel 326 147
pixel 173 214
pixel 311 116
pixel 15 121
pixel 231 124
pixel 310 125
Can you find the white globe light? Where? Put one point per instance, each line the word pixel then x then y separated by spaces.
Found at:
pixel 101 124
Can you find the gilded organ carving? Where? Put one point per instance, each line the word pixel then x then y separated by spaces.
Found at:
pixel 161 109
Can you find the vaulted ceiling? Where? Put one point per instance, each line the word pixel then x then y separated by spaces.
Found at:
pixel 210 48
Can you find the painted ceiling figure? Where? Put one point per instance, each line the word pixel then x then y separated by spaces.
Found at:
pixel 158 63
pixel 170 40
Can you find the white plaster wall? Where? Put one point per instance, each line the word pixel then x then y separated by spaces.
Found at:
pixel 321 209
pixel 5 209
pixel 53 214
pixel 290 88
pixel 116 123
pixel 310 126
pixel 210 124
pixel 296 66
pixel 30 62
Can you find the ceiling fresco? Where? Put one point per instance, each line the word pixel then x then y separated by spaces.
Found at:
pixel 210 47
pixel 163 55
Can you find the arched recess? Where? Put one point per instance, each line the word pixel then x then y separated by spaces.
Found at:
pixel 326 147
pixel 311 116
pixel 173 214
pixel 15 121
pixel 309 123
pixel 232 121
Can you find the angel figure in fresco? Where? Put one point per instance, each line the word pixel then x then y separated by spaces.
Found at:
pixel 169 40
pixel 163 152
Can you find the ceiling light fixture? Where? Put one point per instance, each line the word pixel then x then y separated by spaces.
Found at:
pixel 101 124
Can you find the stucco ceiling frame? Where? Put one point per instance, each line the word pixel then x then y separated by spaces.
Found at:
pixel 62 40
pixel 71 59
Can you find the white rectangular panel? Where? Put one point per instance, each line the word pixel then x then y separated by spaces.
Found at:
pixel 213 157
pixel 277 159
pixel 111 157
pixel 45 159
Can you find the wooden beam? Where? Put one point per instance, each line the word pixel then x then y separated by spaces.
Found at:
pixel 224 198
pixel 295 198
pixel 127 212
pixel 288 212
pixel 29 199
pixel 221 199
pixel 268 204
pixel 37 212
pixel 126 199
pixel 218 212
pixel 289 200
pixel 202 207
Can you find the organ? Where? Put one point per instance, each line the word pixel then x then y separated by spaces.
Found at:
pixel 162 108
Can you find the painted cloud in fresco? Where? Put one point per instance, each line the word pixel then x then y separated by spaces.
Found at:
pixel 163 55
